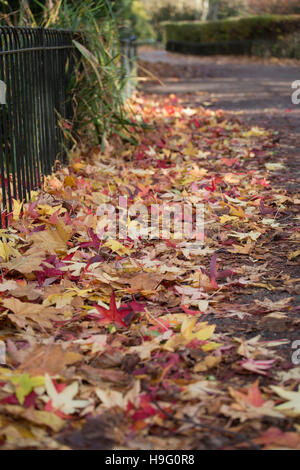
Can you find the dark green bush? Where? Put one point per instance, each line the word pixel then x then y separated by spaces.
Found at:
pixel 254 27
pixel 222 36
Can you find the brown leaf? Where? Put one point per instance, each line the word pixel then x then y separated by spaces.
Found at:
pixel 97 376
pixel 24 311
pixel 49 358
pixel 144 281
pixel 26 264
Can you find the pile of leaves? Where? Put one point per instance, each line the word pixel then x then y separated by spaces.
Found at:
pixel 144 343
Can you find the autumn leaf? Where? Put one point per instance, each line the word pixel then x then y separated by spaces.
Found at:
pixel 112 315
pixel 292 405
pixel 259 367
pixel 25 384
pixel 117 247
pixel 63 401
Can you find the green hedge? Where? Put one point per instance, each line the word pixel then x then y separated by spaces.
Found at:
pixel 233 29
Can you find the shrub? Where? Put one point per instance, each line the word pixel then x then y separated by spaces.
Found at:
pixel 268 28
pixel 254 27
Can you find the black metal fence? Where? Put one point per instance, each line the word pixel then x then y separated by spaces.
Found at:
pixel 129 64
pixel 35 105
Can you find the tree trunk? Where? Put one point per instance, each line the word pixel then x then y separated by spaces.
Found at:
pixel 25 18
pixel 210 10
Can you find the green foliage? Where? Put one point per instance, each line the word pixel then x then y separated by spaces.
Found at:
pixel 99 82
pixel 140 21
pixel 278 7
pixel 256 27
pixel 159 11
pixel 100 79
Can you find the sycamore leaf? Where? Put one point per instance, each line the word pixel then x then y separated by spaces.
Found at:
pixel 24 311
pixel 26 264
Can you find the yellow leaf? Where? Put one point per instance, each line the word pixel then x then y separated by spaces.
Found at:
pixel 6 250
pixel 17 206
pixel 49 241
pixel 70 181
pixel 64 231
pixel 190 150
pixel 117 247
pixel 274 166
pixel 45 209
pixel 236 211
pixel 60 300
pixel 293 254
pixel 242 250
pixel 78 166
pixel 203 332
pixel 227 218
pixel 255 132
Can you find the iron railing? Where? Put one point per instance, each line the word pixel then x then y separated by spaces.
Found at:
pixel 35 73
pixel 36 67
pixel 129 64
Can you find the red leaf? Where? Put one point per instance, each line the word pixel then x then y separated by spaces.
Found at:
pixel 112 313
pixel 213 271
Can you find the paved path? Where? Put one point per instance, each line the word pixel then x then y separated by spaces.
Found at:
pixel 235 84
pixel 257 90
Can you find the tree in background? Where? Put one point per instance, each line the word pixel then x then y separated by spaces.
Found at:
pixel 210 10
pixel 185 10
pixel 280 7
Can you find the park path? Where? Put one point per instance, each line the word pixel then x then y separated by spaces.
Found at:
pixel 255 89
pixel 149 343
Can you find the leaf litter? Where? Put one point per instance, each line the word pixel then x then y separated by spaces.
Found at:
pixel 147 343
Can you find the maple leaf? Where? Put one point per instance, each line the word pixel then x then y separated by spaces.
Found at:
pixel 112 315
pixel 25 384
pixel 111 398
pixel 253 395
pixel 63 401
pixel 117 247
pixel 274 437
pixel 190 332
pixel 292 406
pixel 257 366
pixel 17 206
